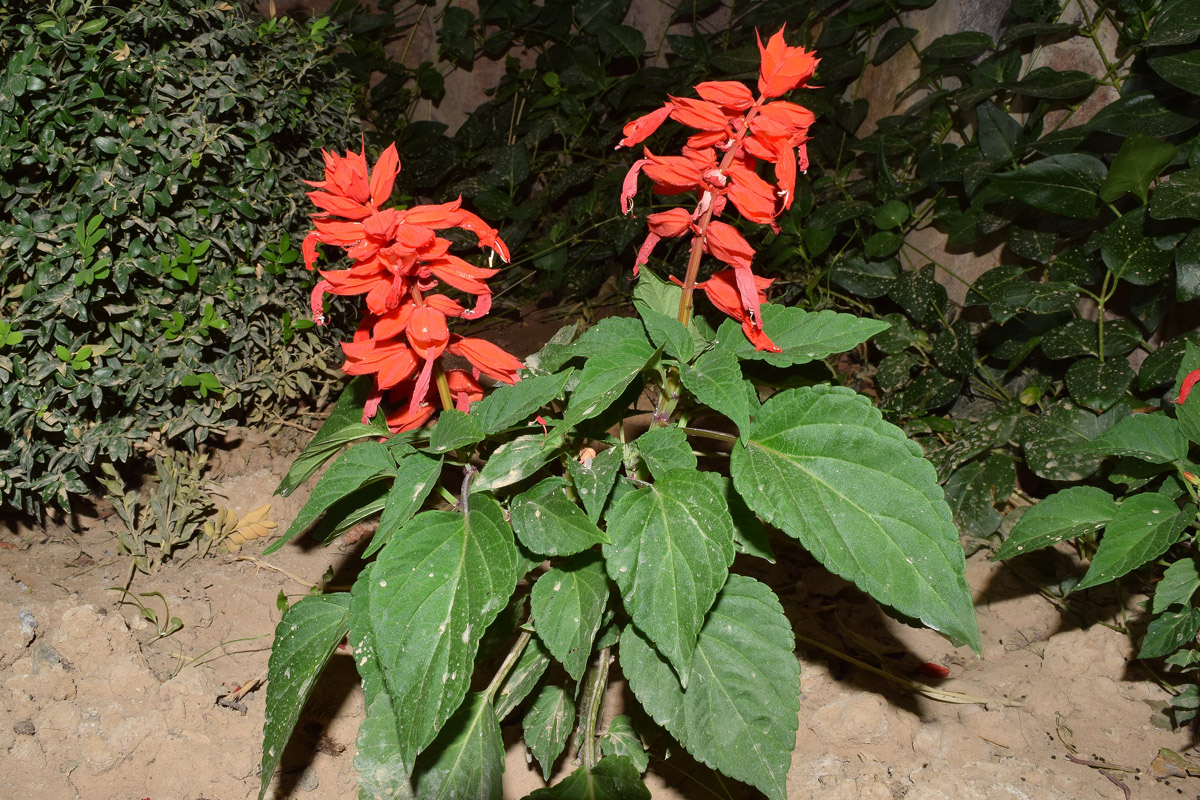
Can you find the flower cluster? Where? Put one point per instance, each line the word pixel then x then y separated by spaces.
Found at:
pixel 399 264
pixel 735 131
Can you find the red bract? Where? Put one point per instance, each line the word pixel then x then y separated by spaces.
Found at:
pixel 398 261
pixel 735 132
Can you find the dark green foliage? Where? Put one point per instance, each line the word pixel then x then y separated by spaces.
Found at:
pixel 150 159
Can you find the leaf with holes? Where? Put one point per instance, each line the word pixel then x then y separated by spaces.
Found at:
pixel 672 544
pixel 822 465
pixel 739 712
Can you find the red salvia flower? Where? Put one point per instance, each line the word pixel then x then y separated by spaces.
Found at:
pixel 735 132
pixel 398 262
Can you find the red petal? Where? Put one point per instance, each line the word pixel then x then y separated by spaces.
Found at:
pixel 309 249
pixel 785 176
pixel 699 114
pixel 642 127
pixel 1188 383
pixel 669 224
pixel 629 185
pixel 753 197
pixel 487 358
pixel 783 68
pixel 384 175
pixel 724 243
pixel 759 339
pixel 339 205
pixel 427 332
pixel 729 94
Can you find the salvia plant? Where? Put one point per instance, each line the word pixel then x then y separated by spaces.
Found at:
pixel 535 536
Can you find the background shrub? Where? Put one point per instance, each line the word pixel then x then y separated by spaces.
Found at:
pixel 150 159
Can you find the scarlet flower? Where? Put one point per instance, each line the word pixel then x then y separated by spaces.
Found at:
pixel 783 68
pixel 1188 382
pixel 723 292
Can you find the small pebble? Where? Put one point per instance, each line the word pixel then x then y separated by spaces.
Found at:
pixel 25 728
pixel 308 780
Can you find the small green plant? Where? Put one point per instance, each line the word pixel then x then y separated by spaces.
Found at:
pixel 164 626
pixel 530 537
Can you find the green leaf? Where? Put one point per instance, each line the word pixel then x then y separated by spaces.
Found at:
pixel 341 427
pixel 749 536
pixel 606 375
pixel 1177 23
pixel 1051 84
pixel 1137 164
pixel 524 676
pixel 1130 254
pixel 1099 384
pixel 1179 582
pixel 305 638
pixel 506 405
pixel 1178 198
pixel 1170 631
pixel 664 449
pixel 1063 515
pixel 822 465
pixel 594 479
pixel 1144 527
pixel 362 464
pixel 1006 291
pixel 1052 446
pixel 672 544
pixel 622 740
pixel 613 778
pixel 416 475
pixel 516 460
pixel 567 604
pixel 967 44
pixel 547 725
pixel 550 524
pixel 1079 337
pixel 1140 112
pixel 1151 437
pixel 998 132
pixel 1187 268
pixel 432 594
pixel 869 279
pixel 657 294
pixel 667 332
pixel 716 381
pixel 453 430
pixel 1180 69
pixel 619 41
pixel 467 760
pixel 1162 365
pixel 739 713
pixel 892 41
pixel 973 491
pixel 381 775
pixel 1063 184
pixel 609 334
pixel 803 336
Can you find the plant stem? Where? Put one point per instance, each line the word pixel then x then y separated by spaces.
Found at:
pixel 593 704
pixel 509 662
pixel 718 435
pixel 443 385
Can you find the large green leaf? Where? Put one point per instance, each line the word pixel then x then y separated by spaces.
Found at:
pixel 1177 23
pixel 567 604
pixel 342 426
pixel 613 778
pixel 304 640
pixel 1138 162
pixel 739 713
pixel 454 429
pixel 803 336
pixel 621 739
pixel 381 774
pixel 1064 184
pixel 1169 631
pixel 594 478
pixel 668 333
pixel 416 475
pixel 467 760
pixel 716 380
pixel 526 673
pixel 1063 515
pixel 1151 437
pixel 432 594
pixel 1052 444
pixel 1130 254
pixel 1141 112
pixel 1144 527
pixel 822 465
pixel 1051 84
pixel 550 524
pixel 362 464
pixel 672 544
pixel 506 405
pixel 605 376
pixel 547 725
pixel 1099 384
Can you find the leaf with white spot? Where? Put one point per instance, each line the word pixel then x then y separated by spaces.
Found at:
pixel 550 524
pixel 432 594
pixel 1062 515
pixel 466 762
pixel 547 725
pixel 567 604
pixel 1143 528
pixel 613 778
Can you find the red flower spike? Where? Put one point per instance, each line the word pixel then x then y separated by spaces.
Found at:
pixel 727 94
pixel 642 127
pixel 783 68
pixel 1188 383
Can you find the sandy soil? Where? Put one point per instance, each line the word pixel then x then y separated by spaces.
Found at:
pixel 94 706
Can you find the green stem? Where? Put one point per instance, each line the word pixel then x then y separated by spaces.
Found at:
pixel 707 434
pixel 593 704
pixel 509 662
